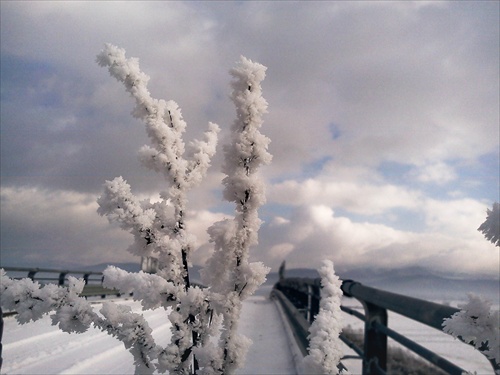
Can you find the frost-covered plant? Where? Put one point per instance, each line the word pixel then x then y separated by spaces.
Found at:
pixel 477 323
pixel 160 231
pixel 230 276
pixel 491 226
pixel 325 346
pixel 159 228
pixel 75 314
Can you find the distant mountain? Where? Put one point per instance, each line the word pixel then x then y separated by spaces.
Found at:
pixel 438 288
pixel 310 273
pixel 416 282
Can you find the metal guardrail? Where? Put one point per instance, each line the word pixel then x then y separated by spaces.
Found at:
pixel 93 280
pixel 300 298
pixel 93 285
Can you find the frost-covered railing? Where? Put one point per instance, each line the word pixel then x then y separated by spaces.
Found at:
pixel 93 280
pixel 300 297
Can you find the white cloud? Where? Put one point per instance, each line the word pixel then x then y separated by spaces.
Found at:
pixel 315 233
pixel 439 173
pixel 197 223
pixel 280 251
pixel 459 217
pixel 40 227
pixel 356 197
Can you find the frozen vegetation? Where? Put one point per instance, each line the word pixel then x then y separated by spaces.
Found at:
pixel 476 322
pixel 196 315
pixel 491 226
pixel 325 348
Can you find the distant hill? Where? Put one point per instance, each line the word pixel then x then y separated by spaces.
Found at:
pixel 417 282
pixel 272 278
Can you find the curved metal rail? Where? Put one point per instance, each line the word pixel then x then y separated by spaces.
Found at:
pixel 300 298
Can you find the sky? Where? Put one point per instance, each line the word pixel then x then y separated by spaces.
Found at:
pixel 383 119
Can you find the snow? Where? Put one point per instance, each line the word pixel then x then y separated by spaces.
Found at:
pixel 477 322
pixel 461 354
pixel 270 352
pixel 161 232
pixel 325 348
pixel 39 348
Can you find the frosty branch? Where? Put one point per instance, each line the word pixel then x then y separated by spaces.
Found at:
pixel 325 346
pixel 491 226
pixel 154 228
pixel 231 277
pixel 160 231
pixel 75 314
pixel 477 323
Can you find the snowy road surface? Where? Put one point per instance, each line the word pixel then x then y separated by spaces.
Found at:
pixel 39 348
pixel 270 352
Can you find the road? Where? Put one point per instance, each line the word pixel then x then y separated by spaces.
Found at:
pixel 40 348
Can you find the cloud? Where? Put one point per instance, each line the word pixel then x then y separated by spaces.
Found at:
pixel 43 227
pixel 379 111
pixel 314 233
pixel 197 223
pixel 53 228
pixel 458 217
pixel 356 197
pixel 395 88
pixel 438 173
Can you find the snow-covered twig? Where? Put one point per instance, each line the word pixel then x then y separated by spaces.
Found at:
pixel 159 231
pixel 74 314
pixel 229 273
pixel 151 290
pixel 478 324
pixel 165 127
pixel 491 226
pixel 325 348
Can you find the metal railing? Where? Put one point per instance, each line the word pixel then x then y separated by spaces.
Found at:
pixel 93 285
pixel 93 280
pixel 300 298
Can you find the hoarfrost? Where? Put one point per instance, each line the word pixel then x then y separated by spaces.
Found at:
pixel 325 348
pixel 160 231
pixel 476 322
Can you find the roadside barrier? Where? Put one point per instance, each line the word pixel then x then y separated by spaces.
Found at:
pixel 300 299
pixel 93 280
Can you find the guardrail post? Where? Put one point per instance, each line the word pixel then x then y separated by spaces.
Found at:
pixel 309 315
pixel 316 290
pixel 375 345
pixel 62 276
pixel 31 274
pixel 1 333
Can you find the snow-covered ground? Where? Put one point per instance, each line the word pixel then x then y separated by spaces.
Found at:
pixel 457 352
pixel 39 348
